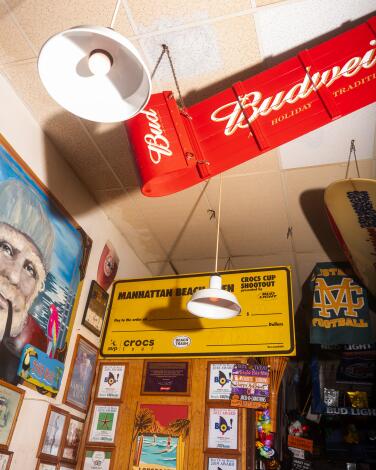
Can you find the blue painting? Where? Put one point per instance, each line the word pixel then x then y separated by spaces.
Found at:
pixel 43 255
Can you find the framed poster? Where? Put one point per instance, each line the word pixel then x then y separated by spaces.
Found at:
pixel 215 462
pixel 5 459
pixel 219 380
pixel 111 381
pixel 41 465
pixel 95 309
pixel 81 375
pixel 170 378
pixel 96 458
pixel 73 438
pixel 103 424
pixel 222 429
pixel 53 434
pixel 161 427
pixel 43 312
pixel 11 398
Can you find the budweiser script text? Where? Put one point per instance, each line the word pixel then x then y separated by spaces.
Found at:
pixel 232 112
pixel 158 144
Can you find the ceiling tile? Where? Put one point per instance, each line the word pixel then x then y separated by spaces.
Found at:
pixel 260 3
pixel 254 220
pixel 204 56
pixel 275 25
pixel 113 142
pixel 203 265
pixel 13 45
pixel 161 268
pixel 307 261
pixel 122 211
pixel 305 198
pixel 331 143
pixel 159 16
pixel 51 17
pixel 263 163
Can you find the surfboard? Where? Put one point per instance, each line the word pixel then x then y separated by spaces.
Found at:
pixel 351 206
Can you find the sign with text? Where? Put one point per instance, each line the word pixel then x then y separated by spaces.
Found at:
pixel 250 386
pixel 148 317
pixel 175 150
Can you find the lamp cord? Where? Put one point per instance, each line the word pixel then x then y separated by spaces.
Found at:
pixel 218 222
pixel 116 11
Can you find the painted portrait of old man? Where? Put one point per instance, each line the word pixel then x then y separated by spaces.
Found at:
pixel 41 250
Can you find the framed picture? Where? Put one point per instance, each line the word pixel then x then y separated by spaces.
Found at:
pixel 41 465
pixel 162 377
pixel 213 462
pixel 29 212
pixel 11 398
pixel 66 466
pixel 81 375
pixel 96 458
pixel 95 308
pixel 5 459
pixel 53 434
pixel 73 438
pixel 103 424
pixel 161 427
pixel 219 381
pixel 111 381
pixel 222 429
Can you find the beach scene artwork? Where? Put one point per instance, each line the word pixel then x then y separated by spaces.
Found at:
pixel 160 434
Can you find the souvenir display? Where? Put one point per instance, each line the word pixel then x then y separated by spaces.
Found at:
pixel 72 439
pixel 110 381
pixel 95 308
pixel 166 378
pixel 5 459
pixel 81 374
pixel 11 398
pixel 98 459
pixel 219 381
pixel 103 424
pixel 53 434
pixel 223 429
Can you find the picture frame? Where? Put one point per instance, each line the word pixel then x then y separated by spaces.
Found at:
pixel 95 308
pixel 224 462
pixel 111 381
pixel 103 423
pixel 66 466
pixel 166 377
pixel 222 430
pixel 98 458
pixel 43 465
pixel 218 385
pixel 5 459
pixel 81 375
pixel 72 439
pixel 11 398
pixel 53 435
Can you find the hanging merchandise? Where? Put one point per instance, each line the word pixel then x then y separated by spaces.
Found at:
pixel 340 307
pixel 265 438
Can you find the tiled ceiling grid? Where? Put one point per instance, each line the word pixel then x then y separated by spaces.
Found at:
pixel 272 211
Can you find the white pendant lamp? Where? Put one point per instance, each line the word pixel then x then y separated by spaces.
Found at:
pixel 214 303
pixel 95 73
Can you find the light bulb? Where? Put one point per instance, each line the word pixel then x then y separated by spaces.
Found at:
pixel 100 62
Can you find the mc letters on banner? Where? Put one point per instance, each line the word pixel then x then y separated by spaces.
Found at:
pixel 176 149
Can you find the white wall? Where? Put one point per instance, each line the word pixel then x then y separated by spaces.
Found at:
pixel 24 134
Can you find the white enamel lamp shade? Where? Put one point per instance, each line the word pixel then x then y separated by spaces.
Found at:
pixel 95 73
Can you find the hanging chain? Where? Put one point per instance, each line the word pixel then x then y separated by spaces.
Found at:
pixel 166 50
pixel 352 151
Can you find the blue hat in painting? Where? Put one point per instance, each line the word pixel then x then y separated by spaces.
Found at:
pixel 22 209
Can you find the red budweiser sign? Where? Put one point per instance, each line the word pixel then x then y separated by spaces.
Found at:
pixel 175 150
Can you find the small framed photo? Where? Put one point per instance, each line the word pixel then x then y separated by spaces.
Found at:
pixel 166 378
pixel 53 434
pixel 219 381
pixel 96 458
pixel 103 424
pixel 42 465
pixel 228 462
pixel 72 440
pixel 222 429
pixel 95 309
pixel 5 459
pixel 11 398
pixel 111 381
pixel 81 375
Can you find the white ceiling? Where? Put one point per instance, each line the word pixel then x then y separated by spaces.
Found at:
pixel 214 43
